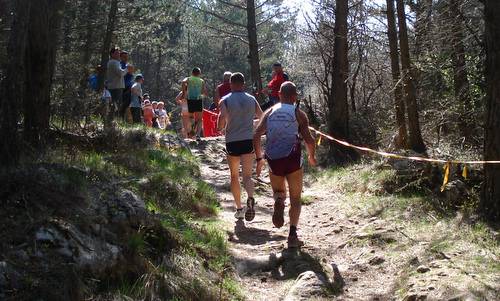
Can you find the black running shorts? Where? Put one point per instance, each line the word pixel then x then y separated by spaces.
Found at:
pixel 195 105
pixel 238 148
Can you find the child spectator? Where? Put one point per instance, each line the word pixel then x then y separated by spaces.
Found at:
pixel 93 79
pixel 185 115
pixel 155 116
pixel 163 120
pixel 148 113
pixel 105 101
pixel 136 98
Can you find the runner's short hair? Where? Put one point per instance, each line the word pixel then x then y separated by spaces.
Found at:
pixel 237 78
pixel 123 52
pixel 227 75
pixel 277 64
pixel 196 71
pixel 288 89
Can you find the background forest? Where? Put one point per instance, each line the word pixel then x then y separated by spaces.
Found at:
pixel 391 75
pixel 91 212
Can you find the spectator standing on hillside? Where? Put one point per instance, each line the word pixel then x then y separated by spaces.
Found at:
pixel 128 81
pixel 273 87
pixel 93 79
pixel 222 90
pixel 115 78
pixel 136 98
pixel 185 115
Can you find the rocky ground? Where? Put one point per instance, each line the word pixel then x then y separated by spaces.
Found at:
pixel 90 222
pixel 351 252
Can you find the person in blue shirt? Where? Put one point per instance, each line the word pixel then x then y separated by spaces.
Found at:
pixel 93 79
pixel 128 79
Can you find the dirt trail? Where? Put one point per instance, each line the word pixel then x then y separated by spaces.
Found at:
pixel 268 271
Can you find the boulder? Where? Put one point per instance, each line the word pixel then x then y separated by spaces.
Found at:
pixel 423 269
pixel 309 285
pixel 88 252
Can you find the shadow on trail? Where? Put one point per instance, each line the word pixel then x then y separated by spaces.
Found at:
pixel 294 262
pixel 252 236
pixel 289 264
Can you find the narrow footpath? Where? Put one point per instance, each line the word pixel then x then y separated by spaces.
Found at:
pixel 343 257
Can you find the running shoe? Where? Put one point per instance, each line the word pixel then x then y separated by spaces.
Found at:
pixel 294 242
pixel 198 138
pixel 250 212
pixel 279 208
pixel 240 213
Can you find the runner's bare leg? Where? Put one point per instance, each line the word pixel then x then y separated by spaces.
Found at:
pixel 198 123
pixel 234 168
pixel 247 169
pixel 295 187
pixel 278 185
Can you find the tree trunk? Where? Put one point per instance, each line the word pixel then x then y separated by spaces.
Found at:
pixel 460 77
pixel 338 107
pixel 402 135
pixel 253 46
pixel 416 141
pixel 158 83
pixel 106 45
pixel 87 47
pixel 45 19
pixel 490 199
pixel 12 88
pixel 423 13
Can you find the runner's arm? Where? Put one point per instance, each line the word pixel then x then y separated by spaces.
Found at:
pixel 258 110
pixel 306 135
pixel 184 87
pixel 259 131
pixel 204 90
pixel 178 98
pixel 221 122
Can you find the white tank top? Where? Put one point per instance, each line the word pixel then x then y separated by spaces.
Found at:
pixel 282 131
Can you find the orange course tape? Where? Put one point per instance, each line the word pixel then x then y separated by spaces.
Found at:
pixel 395 156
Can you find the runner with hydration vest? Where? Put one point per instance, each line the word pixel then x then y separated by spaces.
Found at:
pixel 284 125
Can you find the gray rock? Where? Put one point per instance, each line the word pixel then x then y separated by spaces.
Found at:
pixel 456 191
pixel 131 198
pixel 245 266
pixel 376 260
pixel 86 251
pixel 307 286
pixel 463 297
pixel 414 261
pixel 423 269
pixel 412 296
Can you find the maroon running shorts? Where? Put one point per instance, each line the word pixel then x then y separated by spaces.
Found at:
pixel 285 166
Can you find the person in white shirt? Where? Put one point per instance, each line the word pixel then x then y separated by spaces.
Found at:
pixel 136 98
pixel 163 120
